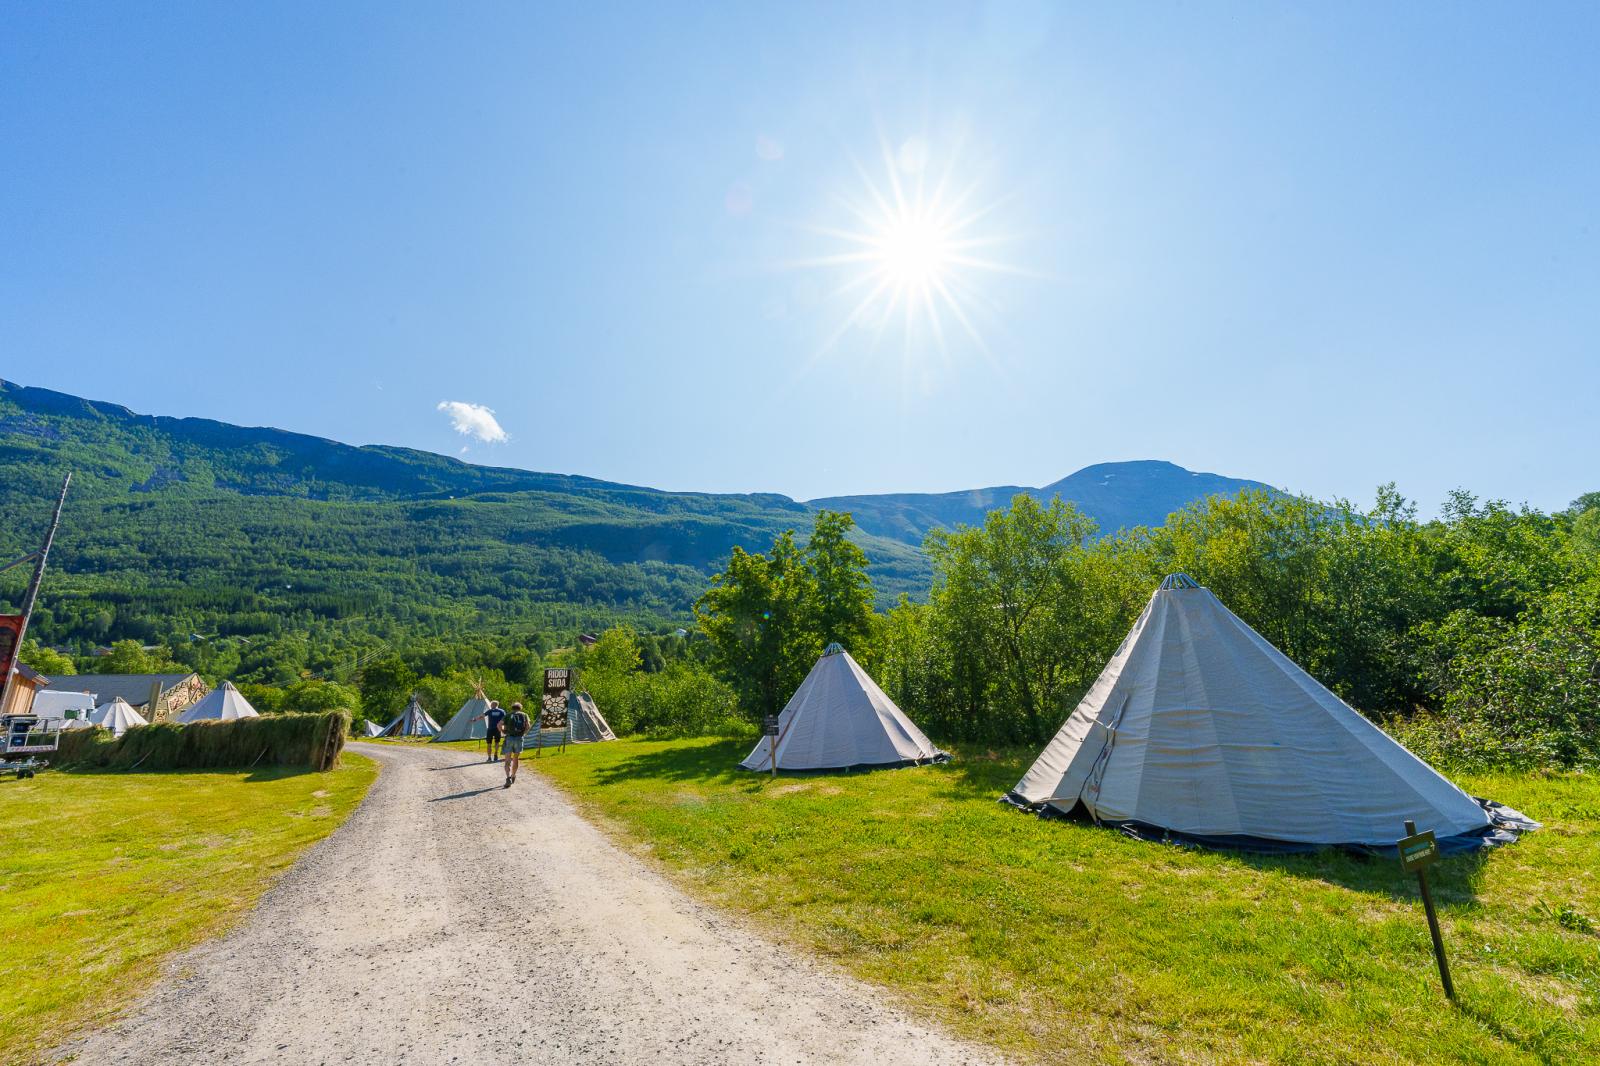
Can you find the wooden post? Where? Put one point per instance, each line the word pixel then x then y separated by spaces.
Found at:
pixel 1433 923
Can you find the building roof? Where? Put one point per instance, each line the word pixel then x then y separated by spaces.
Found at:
pixel 134 688
pixel 28 673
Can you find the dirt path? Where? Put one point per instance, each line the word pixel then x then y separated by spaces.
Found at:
pixel 390 943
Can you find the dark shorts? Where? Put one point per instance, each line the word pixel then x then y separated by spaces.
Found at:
pixel 513 745
pixel 493 738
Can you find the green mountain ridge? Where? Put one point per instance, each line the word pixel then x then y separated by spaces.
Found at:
pixel 188 525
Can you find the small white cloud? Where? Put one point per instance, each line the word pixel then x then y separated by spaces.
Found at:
pixel 474 420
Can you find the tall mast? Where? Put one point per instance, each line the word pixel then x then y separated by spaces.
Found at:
pixel 33 588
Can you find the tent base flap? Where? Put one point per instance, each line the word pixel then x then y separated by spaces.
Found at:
pixel 766 768
pixel 1505 826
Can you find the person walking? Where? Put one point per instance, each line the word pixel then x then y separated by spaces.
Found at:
pixel 495 717
pixel 516 728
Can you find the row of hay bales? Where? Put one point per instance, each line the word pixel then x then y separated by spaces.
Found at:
pixel 306 741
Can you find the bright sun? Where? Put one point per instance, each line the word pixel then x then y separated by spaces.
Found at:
pixel 913 251
pixel 910 255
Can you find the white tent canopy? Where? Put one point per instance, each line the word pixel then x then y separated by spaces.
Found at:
pixel 1199 727
pixel 413 722
pixel 461 725
pixel 222 704
pixel 117 716
pixel 369 728
pixel 838 718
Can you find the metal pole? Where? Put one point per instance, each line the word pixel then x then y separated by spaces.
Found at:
pixel 772 753
pixel 33 588
pixel 1433 924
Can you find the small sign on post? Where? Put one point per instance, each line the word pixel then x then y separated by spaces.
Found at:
pixel 769 727
pixel 1418 851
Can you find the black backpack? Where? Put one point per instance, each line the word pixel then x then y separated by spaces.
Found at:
pixel 517 723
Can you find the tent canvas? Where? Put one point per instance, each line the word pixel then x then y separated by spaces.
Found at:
pixel 117 716
pixel 584 720
pixel 222 704
pixel 412 722
pixel 839 718
pixel 461 725
pixel 369 728
pixel 1200 729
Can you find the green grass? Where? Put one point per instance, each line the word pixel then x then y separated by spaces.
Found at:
pixel 104 873
pixel 1056 940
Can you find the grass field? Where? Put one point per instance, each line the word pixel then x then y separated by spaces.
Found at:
pixel 103 874
pixel 1059 941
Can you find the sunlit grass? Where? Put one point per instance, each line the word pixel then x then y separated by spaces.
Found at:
pixel 103 874
pixel 1053 939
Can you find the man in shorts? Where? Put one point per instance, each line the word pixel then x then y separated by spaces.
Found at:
pixel 516 728
pixel 494 716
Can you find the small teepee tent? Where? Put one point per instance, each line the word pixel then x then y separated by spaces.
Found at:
pixel 369 728
pixel 461 725
pixel 117 716
pixel 413 722
pixel 840 718
pixel 588 725
pixel 222 704
pixel 1200 729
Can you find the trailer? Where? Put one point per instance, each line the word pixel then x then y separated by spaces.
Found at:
pixel 23 739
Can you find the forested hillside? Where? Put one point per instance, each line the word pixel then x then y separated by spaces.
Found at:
pixel 182 527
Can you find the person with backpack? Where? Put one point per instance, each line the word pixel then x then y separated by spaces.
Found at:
pixel 516 728
pixel 493 717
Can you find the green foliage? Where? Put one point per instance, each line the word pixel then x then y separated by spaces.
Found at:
pixel 683 698
pixel 128 657
pixel 47 661
pixel 386 685
pixel 309 741
pixel 840 588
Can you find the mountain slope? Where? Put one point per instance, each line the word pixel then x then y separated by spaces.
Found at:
pixel 186 525
pixel 1116 495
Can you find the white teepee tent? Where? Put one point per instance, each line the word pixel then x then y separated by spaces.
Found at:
pixel 584 719
pixel 118 716
pixel 369 728
pixel 461 725
pixel 413 722
pixel 222 704
pixel 839 718
pixel 1199 728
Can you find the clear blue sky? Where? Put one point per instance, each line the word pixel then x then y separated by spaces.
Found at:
pixel 1323 245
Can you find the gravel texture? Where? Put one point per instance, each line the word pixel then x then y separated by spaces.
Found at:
pixel 450 920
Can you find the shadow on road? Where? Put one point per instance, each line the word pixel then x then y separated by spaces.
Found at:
pixel 467 794
pixel 459 765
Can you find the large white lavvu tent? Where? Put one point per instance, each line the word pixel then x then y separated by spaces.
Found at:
pixel 117 716
pixel 413 722
pixel 584 719
pixel 838 718
pixel 222 704
pixel 1200 728
pixel 461 725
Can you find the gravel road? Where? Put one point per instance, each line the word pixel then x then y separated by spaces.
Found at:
pixel 425 931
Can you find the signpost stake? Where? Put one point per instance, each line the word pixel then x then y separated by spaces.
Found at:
pixel 1420 864
pixel 769 726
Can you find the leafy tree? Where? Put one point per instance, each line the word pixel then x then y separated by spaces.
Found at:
pixel 385 687
pixel 127 657
pixel 757 615
pixel 841 590
pixel 47 661
pixel 1009 600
